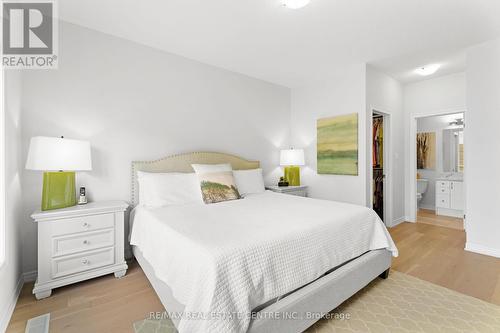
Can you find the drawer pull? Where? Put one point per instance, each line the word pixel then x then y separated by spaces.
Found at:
pixel 85 261
pixel 86 242
pixel 86 225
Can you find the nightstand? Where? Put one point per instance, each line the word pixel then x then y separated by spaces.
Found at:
pixel 300 191
pixel 79 243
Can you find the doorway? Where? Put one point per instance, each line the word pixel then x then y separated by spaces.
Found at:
pixel 437 171
pixel 380 180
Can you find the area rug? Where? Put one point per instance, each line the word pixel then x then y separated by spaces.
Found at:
pixel 154 326
pixel 400 303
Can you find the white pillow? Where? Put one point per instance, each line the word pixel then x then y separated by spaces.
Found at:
pixel 249 181
pixel 210 168
pixel 168 189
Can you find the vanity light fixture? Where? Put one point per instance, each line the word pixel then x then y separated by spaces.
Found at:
pixel 295 4
pixel 427 70
pixel 457 122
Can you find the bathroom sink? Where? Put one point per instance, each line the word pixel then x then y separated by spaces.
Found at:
pixel 452 177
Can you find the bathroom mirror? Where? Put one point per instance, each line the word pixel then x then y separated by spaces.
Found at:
pixel 453 150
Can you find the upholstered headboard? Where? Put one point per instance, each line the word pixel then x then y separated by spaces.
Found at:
pixel 182 163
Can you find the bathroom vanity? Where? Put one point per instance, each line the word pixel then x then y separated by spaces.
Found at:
pixel 450 197
pixel 443 171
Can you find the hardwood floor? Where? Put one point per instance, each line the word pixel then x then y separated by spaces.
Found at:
pixel 106 304
pixel 437 255
pixel 429 217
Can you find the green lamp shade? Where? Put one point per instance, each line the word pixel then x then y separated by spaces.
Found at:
pixel 292 175
pixel 59 190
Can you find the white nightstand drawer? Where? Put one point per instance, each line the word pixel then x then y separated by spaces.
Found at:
pixel 69 244
pixel 81 224
pixel 79 243
pixel 443 200
pixel 301 193
pixel 85 261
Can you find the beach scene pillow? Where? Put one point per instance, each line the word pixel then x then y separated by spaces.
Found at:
pixel 216 182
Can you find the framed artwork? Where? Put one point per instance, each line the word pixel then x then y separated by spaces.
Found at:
pixel 337 145
pixel 426 150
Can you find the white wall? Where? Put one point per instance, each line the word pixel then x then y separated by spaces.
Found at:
pixel 444 94
pixel 434 124
pixel 136 103
pixel 342 93
pixel 482 157
pixel 10 271
pixel 358 88
pixel 384 94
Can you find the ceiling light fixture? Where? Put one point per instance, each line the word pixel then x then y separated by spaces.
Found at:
pixel 457 122
pixel 427 70
pixel 295 4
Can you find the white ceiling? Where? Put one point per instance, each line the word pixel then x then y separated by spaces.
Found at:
pixel 403 67
pixel 262 39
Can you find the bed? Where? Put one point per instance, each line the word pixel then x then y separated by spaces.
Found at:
pixel 267 263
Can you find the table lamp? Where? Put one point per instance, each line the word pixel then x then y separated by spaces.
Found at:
pixel 291 159
pixel 59 158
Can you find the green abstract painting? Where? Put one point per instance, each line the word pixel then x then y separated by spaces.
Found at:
pixel 337 145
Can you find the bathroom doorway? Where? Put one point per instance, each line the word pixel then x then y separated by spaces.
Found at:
pixel 380 179
pixel 439 170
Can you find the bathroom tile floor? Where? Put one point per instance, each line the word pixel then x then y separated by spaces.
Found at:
pixel 427 216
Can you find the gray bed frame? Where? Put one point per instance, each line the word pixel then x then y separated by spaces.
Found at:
pixel 300 308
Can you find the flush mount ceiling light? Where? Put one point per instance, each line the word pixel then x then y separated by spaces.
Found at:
pixel 295 4
pixel 427 70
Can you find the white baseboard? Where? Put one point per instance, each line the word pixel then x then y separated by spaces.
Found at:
pixel 7 312
pixel 427 206
pixel 30 276
pixel 398 221
pixel 11 304
pixel 409 219
pixel 489 251
pixel 450 212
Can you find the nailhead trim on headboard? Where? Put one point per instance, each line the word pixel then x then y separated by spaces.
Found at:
pixel 182 163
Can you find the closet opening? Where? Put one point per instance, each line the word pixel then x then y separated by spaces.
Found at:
pixel 378 165
pixel 380 180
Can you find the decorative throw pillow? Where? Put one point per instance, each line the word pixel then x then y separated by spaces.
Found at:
pixel 216 182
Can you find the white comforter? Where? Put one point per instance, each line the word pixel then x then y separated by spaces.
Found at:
pixel 223 260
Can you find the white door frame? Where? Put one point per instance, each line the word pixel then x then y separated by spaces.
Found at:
pixel 388 219
pixel 411 193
